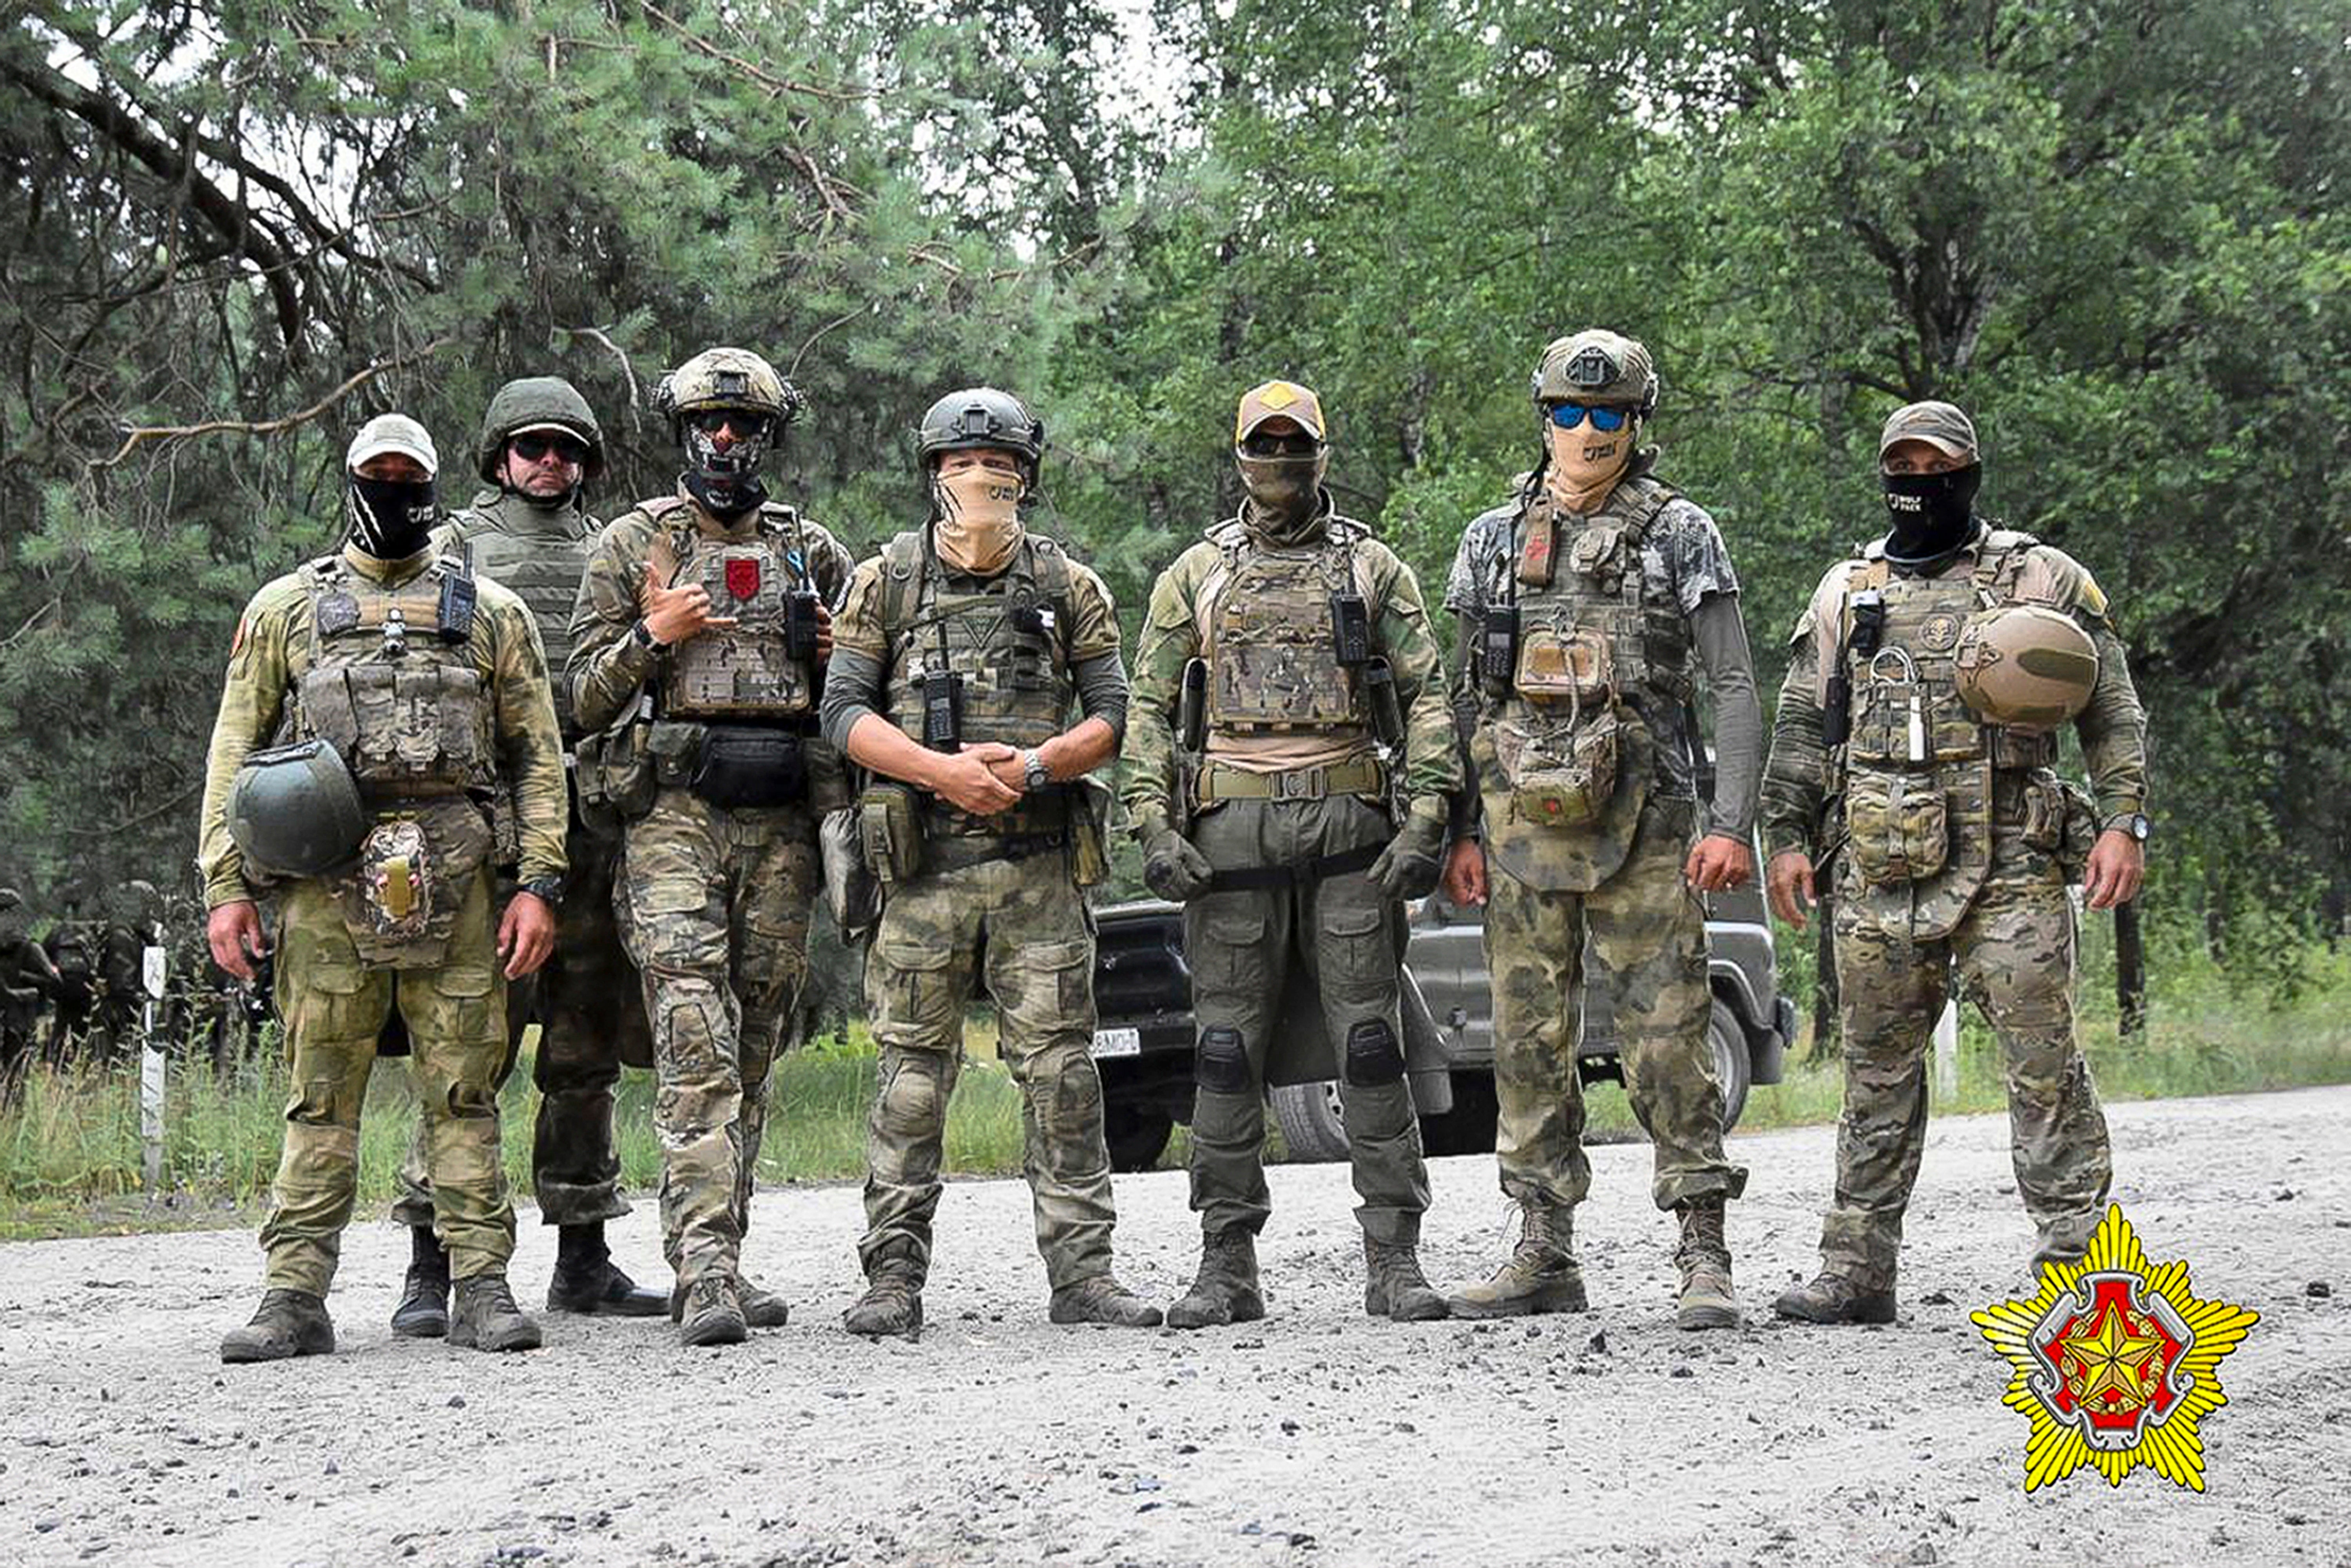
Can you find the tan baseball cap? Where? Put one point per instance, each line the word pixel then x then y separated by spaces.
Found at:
pixel 390 433
pixel 1939 424
pixel 1278 400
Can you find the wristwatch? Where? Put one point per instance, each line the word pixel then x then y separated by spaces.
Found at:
pixel 1035 772
pixel 642 634
pixel 547 890
pixel 2135 824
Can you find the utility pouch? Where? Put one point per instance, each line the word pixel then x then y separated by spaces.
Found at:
pixel 1380 697
pixel 1561 778
pixel 800 626
pixel 1556 666
pixel 751 769
pixel 850 889
pixel 1351 629
pixel 674 752
pixel 616 777
pixel 1498 648
pixel 2045 815
pixel 1089 807
pixel 942 710
pixel 1898 828
pixel 889 832
pixel 1191 708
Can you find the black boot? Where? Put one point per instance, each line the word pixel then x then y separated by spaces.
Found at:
pixel 587 1280
pixel 290 1322
pixel 423 1310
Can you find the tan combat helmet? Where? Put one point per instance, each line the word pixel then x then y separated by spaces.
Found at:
pixel 1598 367
pixel 1279 400
pixel 2026 667
pixel 727 378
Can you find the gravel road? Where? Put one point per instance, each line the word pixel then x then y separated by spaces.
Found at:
pixel 1316 1436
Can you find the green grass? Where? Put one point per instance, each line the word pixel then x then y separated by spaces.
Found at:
pixel 70 1152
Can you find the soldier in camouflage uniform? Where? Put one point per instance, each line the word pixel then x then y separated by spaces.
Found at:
pixel 1586 608
pixel 1000 653
pixel 27 981
pixel 698 642
pixel 530 528
pixel 432 685
pixel 1898 747
pixel 1312 648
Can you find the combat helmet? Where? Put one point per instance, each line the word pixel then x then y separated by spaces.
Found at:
pixel 2026 667
pixel 537 402
pixel 726 378
pixel 1598 367
pixel 294 811
pixel 977 418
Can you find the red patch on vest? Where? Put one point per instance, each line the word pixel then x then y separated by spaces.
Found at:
pixel 743 577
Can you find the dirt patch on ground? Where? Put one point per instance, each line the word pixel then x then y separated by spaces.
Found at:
pixel 1317 1435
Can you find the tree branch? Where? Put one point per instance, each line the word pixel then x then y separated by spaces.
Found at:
pixel 134 438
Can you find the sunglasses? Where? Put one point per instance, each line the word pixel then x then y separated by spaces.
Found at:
pixel 1298 444
pixel 746 426
pixel 1568 415
pixel 531 448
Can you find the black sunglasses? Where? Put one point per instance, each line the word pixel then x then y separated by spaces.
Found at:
pixel 531 448
pixel 1296 445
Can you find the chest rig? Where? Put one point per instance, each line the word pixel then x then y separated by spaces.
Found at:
pixel 1286 633
pixel 1574 651
pixel 1918 769
pixel 762 669
pixel 992 665
pixel 542 563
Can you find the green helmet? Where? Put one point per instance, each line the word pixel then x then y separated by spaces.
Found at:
pixel 537 402
pixel 983 418
pixel 1598 367
pixel 294 811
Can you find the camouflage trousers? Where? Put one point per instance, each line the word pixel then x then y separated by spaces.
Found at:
pixel 1647 929
pixel 1019 928
pixel 2014 953
pixel 335 1007
pixel 1240 944
pixel 590 1022
pixel 713 907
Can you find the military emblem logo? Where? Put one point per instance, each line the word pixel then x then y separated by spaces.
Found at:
pixel 742 576
pixel 2117 1363
pixel 1941 633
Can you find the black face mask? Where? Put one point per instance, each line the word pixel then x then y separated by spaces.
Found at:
pixel 1934 514
pixel 391 518
pixel 725 498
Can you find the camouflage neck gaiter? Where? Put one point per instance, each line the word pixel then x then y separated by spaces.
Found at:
pixel 1285 497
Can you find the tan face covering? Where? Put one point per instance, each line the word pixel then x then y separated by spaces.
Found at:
pixel 980 519
pixel 1587 462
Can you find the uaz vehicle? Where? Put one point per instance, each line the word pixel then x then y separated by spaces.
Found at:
pixel 1143 993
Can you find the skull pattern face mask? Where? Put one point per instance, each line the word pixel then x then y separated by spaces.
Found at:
pixel 391 520
pixel 1586 462
pixel 1285 493
pixel 978 524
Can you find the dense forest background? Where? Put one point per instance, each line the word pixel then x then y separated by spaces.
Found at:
pixel 2115 232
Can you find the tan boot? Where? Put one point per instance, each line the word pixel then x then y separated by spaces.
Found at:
pixel 1101 1299
pixel 1834 1299
pixel 289 1324
pixel 1226 1290
pixel 892 1304
pixel 1540 1275
pixel 712 1311
pixel 486 1317
pixel 1704 1259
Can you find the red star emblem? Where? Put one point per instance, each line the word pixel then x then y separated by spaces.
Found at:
pixel 2114 1360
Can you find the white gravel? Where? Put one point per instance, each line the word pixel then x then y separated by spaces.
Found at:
pixel 1316 1436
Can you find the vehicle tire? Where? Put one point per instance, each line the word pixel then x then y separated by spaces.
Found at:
pixel 1469 1127
pixel 1732 1063
pixel 1137 1137
pixel 1313 1128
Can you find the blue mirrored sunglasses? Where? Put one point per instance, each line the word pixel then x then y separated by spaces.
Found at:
pixel 1568 415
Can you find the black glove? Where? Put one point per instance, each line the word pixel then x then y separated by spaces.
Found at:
pixel 1173 869
pixel 1408 868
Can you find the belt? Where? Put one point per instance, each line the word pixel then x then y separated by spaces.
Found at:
pixel 1298 873
pixel 1221 781
pixel 956 852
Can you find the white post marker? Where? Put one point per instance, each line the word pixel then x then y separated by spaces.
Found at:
pixel 1946 1052
pixel 150 1071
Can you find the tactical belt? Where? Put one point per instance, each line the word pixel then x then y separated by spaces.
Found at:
pixel 1221 781
pixel 1298 873
pixel 959 851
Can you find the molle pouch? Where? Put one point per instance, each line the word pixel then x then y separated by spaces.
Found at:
pixel 674 751
pixel 1089 807
pixel 415 869
pixel 851 889
pixel 1890 723
pixel 1351 629
pixel 2045 815
pixel 625 767
pixel 1498 648
pixel 1561 779
pixel 1898 828
pixel 1564 666
pixel 749 770
pixel 889 833
pixel 1598 551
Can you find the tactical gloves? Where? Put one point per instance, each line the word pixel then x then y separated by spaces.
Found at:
pixel 1409 867
pixel 1172 868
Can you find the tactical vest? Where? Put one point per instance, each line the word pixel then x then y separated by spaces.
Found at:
pixel 742 672
pixel 392 680
pixel 1563 751
pixel 541 553
pixel 1265 620
pixel 1010 644
pixel 1918 767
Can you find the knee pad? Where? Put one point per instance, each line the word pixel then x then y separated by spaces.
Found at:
pixel 913 1096
pixel 1221 1064
pixel 1374 1057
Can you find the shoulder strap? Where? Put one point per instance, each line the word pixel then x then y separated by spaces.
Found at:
pixel 901 582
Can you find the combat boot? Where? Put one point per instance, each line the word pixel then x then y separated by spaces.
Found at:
pixel 1101 1299
pixel 1832 1298
pixel 1707 1301
pixel 587 1281
pixel 1540 1275
pixel 488 1319
pixel 423 1310
pixel 1226 1290
pixel 710 1310
pixel 288 1322
pixel 892 1304
pixel 762 1308
pixel 1394 1286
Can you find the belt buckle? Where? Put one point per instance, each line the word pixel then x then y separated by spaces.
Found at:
pixel 1299 783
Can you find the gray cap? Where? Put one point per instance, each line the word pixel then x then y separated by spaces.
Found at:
pixel 392 432
pixel 1939 424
